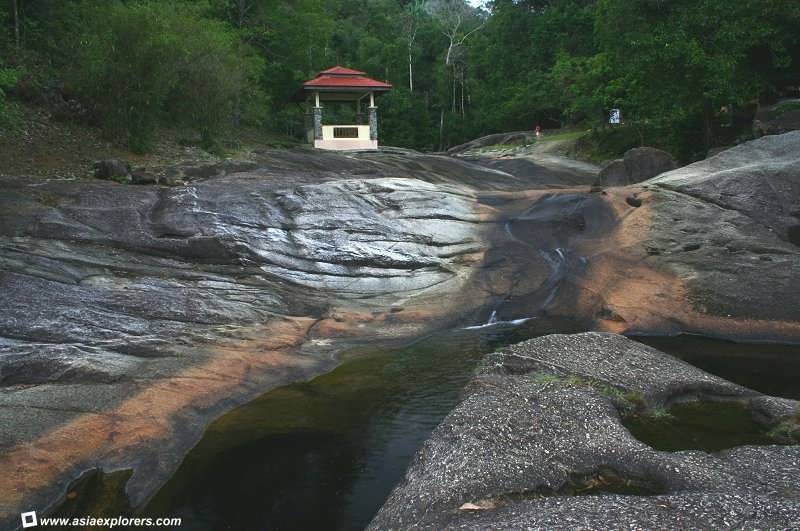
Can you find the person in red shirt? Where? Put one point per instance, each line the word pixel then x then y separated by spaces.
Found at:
pixel 538 130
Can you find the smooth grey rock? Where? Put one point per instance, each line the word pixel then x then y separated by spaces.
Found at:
pixel 142 261
pixel 31 363
pixel 726 225
pixel 716 151
pixel 542 170
pixel 109 291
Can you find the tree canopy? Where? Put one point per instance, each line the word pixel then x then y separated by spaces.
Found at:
pixel 681 71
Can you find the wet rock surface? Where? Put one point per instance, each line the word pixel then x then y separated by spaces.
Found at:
pixel 539 442
pixel 542 164
pixel 545 172
pixel 130 316
pixel 613 173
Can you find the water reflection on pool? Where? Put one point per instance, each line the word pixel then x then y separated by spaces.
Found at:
pixel 324 454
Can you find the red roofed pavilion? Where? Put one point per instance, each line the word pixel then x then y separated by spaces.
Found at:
pixel 340 84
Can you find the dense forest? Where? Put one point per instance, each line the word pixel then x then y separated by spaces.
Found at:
pixel 687 74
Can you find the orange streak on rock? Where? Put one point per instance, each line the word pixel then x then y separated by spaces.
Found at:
pixel 637 296
pixel 146 415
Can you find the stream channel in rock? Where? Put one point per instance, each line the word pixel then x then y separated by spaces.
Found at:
pixel 238 357
pixel 324 454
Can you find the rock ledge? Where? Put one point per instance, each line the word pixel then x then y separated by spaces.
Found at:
pixel 541 424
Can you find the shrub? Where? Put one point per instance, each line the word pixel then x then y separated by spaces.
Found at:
pixel 8 78
pixel 142 64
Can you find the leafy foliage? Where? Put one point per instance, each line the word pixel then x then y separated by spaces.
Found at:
pixel 681 71
pixel 142 64
pixel 8 78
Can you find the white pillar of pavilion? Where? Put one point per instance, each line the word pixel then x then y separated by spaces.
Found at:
pixel 373 118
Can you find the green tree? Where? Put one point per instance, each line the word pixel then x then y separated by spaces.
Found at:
pixel 142 64
pixel 681 62
pixel 8 78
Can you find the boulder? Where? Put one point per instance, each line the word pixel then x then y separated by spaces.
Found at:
pixel 776 119
pixel 539 442
pixel 710 248
pixel 646 162
pixel 613 173
pixel 112 169
pixel 639 164
pixel 759 180
pixel 142 176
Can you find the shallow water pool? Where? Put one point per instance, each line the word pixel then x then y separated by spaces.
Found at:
pixel 324 454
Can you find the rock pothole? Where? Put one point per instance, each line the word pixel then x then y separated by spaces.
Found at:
pixel 793 234
pixel 633 201
pixel 709 426
pixel 604 480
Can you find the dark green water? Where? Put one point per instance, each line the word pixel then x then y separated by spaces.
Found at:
pixel 325 454
pixel 771 369
pixel 707 426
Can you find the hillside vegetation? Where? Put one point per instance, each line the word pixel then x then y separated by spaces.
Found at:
pixel 687 75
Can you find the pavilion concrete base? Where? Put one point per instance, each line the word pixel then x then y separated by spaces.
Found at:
pixel 339 144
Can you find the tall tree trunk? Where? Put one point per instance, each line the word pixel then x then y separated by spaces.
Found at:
pixel 707 118
pixel 410 73
pixel 237 109
pixel 15 9
pixel 453 99
pixel 462 93
pixel 441 130
pixel 242 4
pixel 243 8
pixel 241 17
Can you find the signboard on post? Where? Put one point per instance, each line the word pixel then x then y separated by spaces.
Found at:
pixel 615 117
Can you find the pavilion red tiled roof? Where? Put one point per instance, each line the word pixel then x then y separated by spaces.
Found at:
pixel 341 77
pixel 343 71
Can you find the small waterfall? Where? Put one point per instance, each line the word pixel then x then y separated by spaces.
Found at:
pixel 557 260
pixel 494 321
